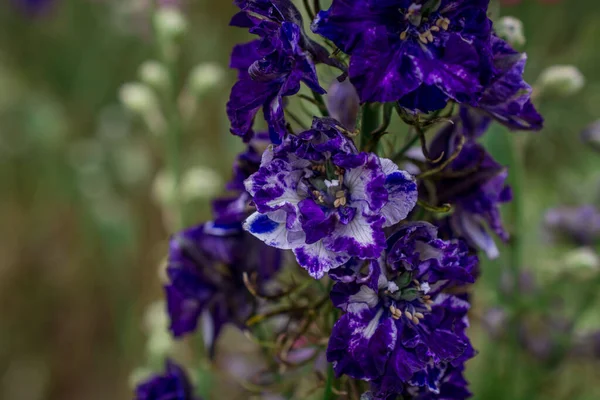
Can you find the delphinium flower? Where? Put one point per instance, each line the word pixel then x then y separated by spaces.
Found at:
pixel 272 67
pixel 318 196
pixel 474 183
pixel 507 98
pixel 205 269
pixel 400 331
pixel 420 53
pixel 173 384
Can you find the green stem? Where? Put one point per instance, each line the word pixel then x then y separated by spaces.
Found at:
pixel 328 394
pixel 370 122
pixel 518 215
pixel 174 138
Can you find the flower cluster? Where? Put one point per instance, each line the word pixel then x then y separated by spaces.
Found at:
pixel 343 203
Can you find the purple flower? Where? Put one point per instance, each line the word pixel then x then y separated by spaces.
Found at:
pixel 316 195
pixel 415 52
pixel 475 185
pixel 578 225
pixel 205 269
pixel 399 330
pixel 507 99
pixel 173 384
pixel 272 67
pixel 277 12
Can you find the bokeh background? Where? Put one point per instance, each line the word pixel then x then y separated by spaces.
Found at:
pixel 84 204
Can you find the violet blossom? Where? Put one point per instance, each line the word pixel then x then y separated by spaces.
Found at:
pixel 205 269
pixel 272 67
pixel 400 331
pixel 318 196
pixel 419 53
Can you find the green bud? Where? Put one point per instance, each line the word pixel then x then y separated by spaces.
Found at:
pixel 511 30
pixel 138 98
pixel 205 77
pixel 154 74
pixel 170 23
pixel 560 80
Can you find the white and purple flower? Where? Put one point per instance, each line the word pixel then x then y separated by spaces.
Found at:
pixel 318 196
pixel 400 330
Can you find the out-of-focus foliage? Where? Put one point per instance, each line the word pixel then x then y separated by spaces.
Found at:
pixel 83 229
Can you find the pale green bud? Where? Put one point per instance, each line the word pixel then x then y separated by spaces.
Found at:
pixel 560 80
pixel 154 74
pixel 511 30
pixel 138 98
pixel 582 259
pixel 200 183
pixel 170 23
pixel 205 77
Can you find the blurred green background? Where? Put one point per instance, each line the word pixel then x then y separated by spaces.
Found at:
pixel 83 223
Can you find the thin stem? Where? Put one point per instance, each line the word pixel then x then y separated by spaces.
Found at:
pixel 518 172
pixel 309 10
pixel 370 123
pixel 328 394
pixel 174 135
pixel 317 6
pixel 321 103
pixel 403 150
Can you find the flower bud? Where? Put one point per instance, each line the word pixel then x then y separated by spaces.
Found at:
pixel 138 98
pixel 200 183
pixel 205 77
pixel 154 74
pixel 561 80
pixel 159 342
pixel 170 23
pixel 582 259
pixel 196 183
pixel 343 103
pixel 511 30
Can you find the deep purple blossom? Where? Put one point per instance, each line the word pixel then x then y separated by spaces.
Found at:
pixel 277 12
pixel 272 67
pixel 400 331
pixel 318 196
pixel 205 269
pixel 475 185
pixel 173 384
pixel 415 52
pixel 507 98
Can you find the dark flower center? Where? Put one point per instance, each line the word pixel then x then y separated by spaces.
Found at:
pixel 327 185
pixel 407 297
pixel 424 21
